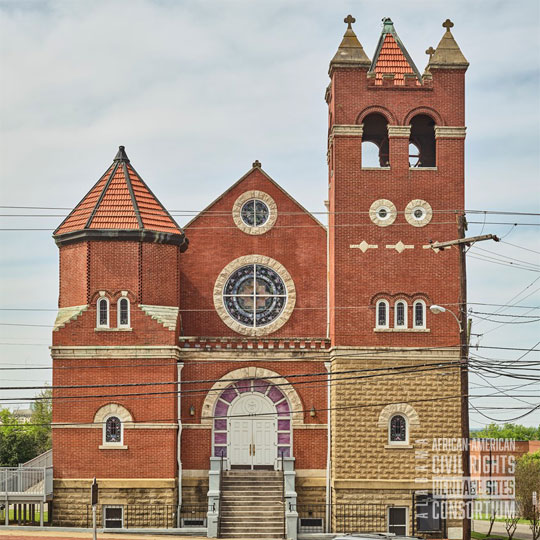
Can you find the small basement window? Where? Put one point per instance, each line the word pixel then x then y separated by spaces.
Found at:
pixel 311 524
pixel 397 520
pixel 113 517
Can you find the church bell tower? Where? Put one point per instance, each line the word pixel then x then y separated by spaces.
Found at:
pixel 396 184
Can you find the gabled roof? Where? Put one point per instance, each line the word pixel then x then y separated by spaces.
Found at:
pixel 448 54
pixel 391 56
pixel 122 206
pixel 350 52
pixel 256 166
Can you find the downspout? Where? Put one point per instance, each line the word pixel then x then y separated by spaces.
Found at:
pixel 328 366
pixel 327 204
pixel 179 365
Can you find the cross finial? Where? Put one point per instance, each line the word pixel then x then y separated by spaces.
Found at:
pixel 256 164
pixel 448 24
pixel 431 52
pixel 349 19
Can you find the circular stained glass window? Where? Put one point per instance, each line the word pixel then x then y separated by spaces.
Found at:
pixel 255 213
pixel 254 295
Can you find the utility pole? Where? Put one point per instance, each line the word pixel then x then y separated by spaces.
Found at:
pixel 463 243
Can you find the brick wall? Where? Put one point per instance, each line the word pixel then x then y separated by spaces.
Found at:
pixel 296 241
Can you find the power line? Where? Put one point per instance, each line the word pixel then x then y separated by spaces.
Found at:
pixel 292 412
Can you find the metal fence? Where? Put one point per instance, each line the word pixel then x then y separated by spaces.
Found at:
pixel 148 516
pixel 25 481
pixel 342 518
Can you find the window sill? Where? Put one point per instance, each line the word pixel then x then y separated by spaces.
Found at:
pixel 113 447
pixel 398 446
pixel 424 330
pixel 375 168
pixel 423 168
pixel 103 329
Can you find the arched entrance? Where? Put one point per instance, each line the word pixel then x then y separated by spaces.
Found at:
pixel 252 424
pixel 252 432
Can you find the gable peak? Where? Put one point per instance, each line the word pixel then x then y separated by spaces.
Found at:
pixel 391 56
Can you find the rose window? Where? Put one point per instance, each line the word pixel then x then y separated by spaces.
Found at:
pixel 254 295
pixel 255 213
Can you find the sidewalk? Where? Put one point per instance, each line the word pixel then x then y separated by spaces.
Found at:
pixel 20 534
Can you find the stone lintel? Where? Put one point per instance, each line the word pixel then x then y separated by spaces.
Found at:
pixel 354 130
pixel 127 351
pixel 127 425
pixel 375 484
pixel 399 131
pixel 450 132
pixel 116 483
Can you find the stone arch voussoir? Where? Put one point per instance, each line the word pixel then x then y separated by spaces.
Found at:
pixel 252 372
pixel 389 115
pixel 398 408
pixel 428 111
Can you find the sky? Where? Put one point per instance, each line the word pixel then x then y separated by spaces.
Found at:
pixel 197 90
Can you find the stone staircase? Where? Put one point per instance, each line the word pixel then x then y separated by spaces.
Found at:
pixel 251 504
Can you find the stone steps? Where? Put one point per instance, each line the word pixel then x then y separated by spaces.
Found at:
pixel 252 505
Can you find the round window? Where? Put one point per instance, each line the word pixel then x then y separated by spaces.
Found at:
pixel 418 213
pixel 383 212
pixel 254 295
pixel 255 213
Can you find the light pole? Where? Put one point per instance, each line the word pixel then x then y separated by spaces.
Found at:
pixel 439 309
pixel 464 334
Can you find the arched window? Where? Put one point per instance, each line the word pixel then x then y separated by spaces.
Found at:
pixel 382 314
pixel 419 314
pixel 112 431
pixel 397 430
pixel 103 313
pixel 375 147
pixel 422 142
pixel 400 314
pixel 123 313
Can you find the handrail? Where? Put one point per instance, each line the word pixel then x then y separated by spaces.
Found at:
pixel 283 496
pixel 220 495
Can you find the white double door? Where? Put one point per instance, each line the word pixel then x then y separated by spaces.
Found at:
pixel 252 431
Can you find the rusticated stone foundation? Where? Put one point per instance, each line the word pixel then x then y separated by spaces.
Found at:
pixel 72 501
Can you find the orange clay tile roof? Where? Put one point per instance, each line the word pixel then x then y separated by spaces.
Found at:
pixel 120 200
pixel 392 57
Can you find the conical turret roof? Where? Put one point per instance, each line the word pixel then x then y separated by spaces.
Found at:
pixel 391 56
pixel 120 206
pixel 448 54
pixel 350 52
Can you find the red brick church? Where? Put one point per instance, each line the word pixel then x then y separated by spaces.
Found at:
pixel 276 372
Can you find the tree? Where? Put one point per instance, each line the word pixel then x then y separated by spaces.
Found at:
pixel 508 431
pixel 528 490
pixel 41 419
pixel 20 441
pixel 17 441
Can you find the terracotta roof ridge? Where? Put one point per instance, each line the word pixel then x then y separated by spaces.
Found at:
pixel 388 29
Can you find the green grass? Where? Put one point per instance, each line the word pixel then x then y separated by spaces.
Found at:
pixel 12 516
pixel 481 536
pixel 485 517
